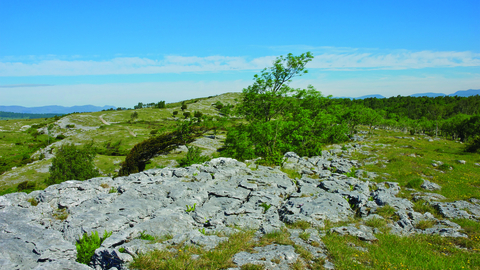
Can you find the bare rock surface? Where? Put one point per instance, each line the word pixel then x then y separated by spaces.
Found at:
pixel 191 204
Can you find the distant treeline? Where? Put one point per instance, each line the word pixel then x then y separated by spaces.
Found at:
pixel 416 108
pixel 12 115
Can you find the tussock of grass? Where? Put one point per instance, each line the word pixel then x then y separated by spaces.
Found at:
pixel 386 211
pixel 423 207
pixel 376 223
pixel 425 224
pixel 300 224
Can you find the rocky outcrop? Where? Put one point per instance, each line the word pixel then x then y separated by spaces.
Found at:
pixel 191 204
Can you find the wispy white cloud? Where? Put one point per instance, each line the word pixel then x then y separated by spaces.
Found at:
pixel 325 58
pixel 128 94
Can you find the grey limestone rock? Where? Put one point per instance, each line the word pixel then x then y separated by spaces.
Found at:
pixel 363 232
pixel 226 193
pixel 430 186
pixel 270 257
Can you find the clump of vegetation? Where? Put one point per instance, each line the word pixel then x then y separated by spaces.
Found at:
pixel 146 236
pixel 33 201
pixel 26 186
pixel 110 148
pixel 415 183
pixel 193 157
pixel 265 207
pixel 425 224
pixel 282 119
pixel 445 167
pixel 473 145
pixel 386 211
pixel 60 214
pixel 142 152
pixel 72 163
pixel 87 245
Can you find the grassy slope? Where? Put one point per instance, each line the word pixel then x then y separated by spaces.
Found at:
pixel 88 127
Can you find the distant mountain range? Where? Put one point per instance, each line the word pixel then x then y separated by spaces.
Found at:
pixel 464 93
pixel 54 109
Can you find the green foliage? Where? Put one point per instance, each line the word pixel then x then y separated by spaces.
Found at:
pixel 87 245
pixel 197 114
pixel 473 145
pixel 186 114
pixel 190 208
pixel 414 183
pixel 33 201
pixel 386 211
pixel 72 163
pixel 265 207
pixel 184 106
pixel 110 148
pixel 282 119
pixel 142 152
pixel 26 186
pixel 351 173
pixel 445 167
pixel 174 113
pixel 161 104
pixel 193 157
pixel 425 224
pixel 146 236
pixel 113 190
pixel 134 115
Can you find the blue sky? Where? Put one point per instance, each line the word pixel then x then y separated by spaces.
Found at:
pixel 124 52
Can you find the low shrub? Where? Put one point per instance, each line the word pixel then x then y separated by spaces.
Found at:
pixel 415 183
pixel 87 245
pixel 193 157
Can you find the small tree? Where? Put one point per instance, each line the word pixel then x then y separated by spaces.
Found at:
pixel 175 113
pixel 161 104
pixel 184 106
pixel 134 115
pixel 73 163
pixel 186 114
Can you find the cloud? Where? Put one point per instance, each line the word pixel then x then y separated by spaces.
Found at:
pixel 23 85
pixel 329 58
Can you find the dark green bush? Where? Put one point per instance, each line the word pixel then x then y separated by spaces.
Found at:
pixel 415 183
pixel 25 186
pixel 473 145
pixel 142 152
pixel 72 163
pixel 60 137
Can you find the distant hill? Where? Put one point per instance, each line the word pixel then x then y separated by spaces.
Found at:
pixel 370 96
pixel 364 97
pixel 466 93
pixel 54 109
pixel 462 93
pixel 429 94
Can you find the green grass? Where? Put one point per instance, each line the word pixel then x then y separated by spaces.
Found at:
pixel 463 182
pixel 181 257
pixel 395 252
